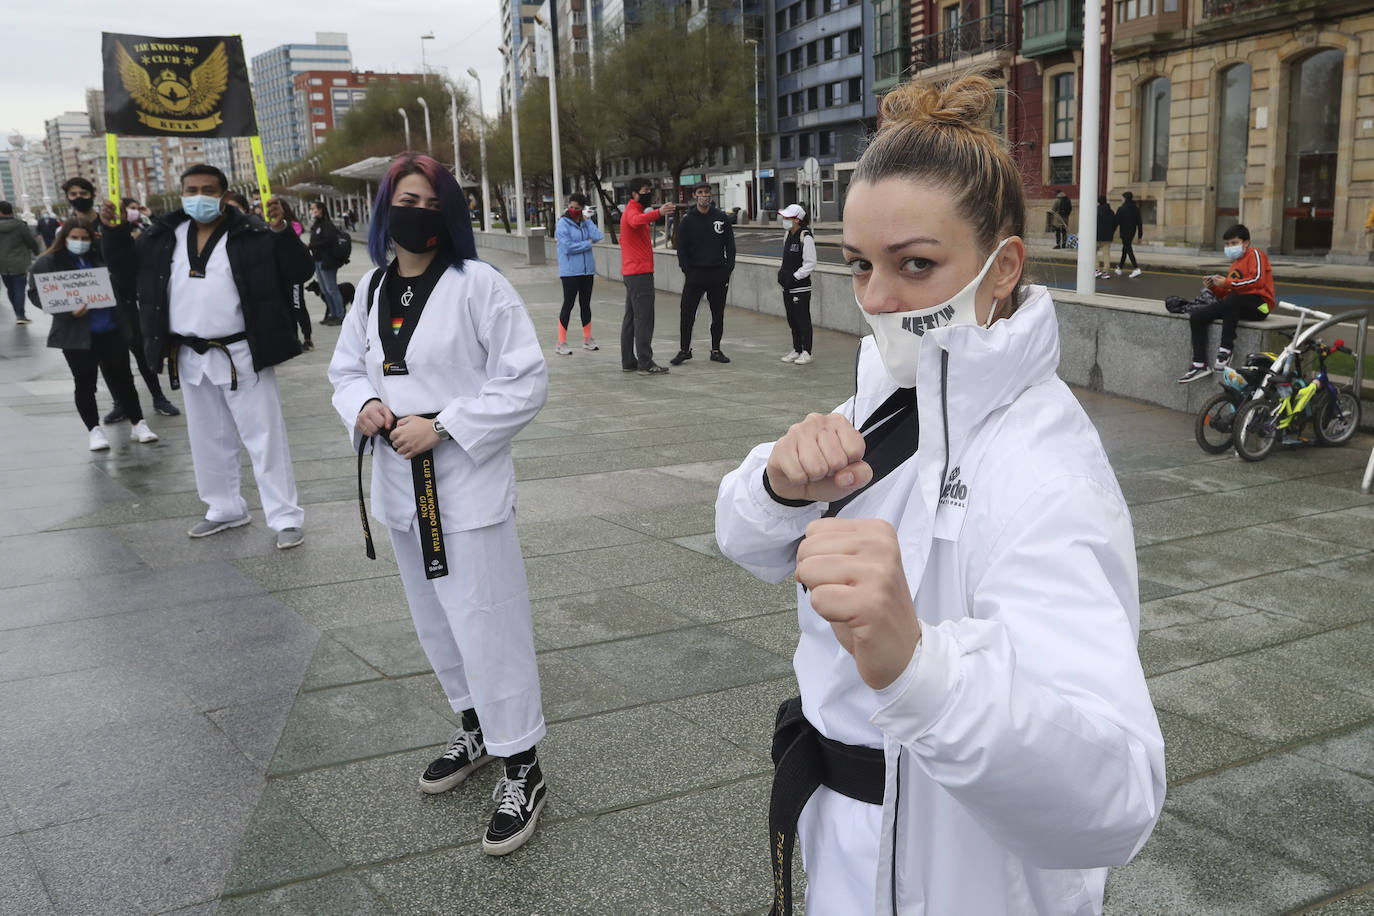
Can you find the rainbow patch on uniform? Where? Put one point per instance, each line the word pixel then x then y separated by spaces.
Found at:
pixel 396 325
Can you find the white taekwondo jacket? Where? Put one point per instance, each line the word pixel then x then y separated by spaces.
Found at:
pixel 1023 752
pixel 475 360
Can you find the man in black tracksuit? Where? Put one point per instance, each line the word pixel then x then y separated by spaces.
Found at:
pixel 706 254
pixel 1128 221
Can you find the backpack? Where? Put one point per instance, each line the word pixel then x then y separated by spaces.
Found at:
pixel 342 250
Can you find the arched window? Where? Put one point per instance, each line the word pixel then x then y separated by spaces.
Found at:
pixel 1233 142
pixel 1154 130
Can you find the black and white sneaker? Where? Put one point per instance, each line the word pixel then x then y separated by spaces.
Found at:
pixel 1194 373
pixel 519 798
pixel 465 755
pixel 1223 360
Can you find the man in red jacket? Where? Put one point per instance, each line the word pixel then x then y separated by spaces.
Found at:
pixel 1246 292
pixel 637 267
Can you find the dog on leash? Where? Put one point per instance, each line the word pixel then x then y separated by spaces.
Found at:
pixel 346 290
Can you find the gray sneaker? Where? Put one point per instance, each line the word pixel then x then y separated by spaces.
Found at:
pixel 290 537
pixel 206 527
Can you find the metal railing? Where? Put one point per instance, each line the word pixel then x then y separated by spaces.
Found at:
pixel 892 64
pixel 1214 8
pixel 964 40
pixel 1044 17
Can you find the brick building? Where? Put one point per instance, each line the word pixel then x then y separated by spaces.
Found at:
pixel 323 97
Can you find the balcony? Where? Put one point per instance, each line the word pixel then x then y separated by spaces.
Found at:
pixel 1236 18
pixel 977 36
pixel 890 67
pixel 1048 26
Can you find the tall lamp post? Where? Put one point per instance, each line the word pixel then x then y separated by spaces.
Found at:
pixel 553 116
pixel 429 138
pixel 405 119
pixel 482 146
pixel 453 118
pixel 758 148
pixel 509 55
pixel 424 69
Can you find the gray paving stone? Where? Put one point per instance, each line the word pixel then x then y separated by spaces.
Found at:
pixel 1296 809
pixel 646 561
pixel 372 811
pixel 1193 747
pixel 390 647
pixel 569 536
pixel 147 860
pixel 427 688
pixel 726 593
pixel 744 716
pixel 1357 569
pixel 333 665
pixel 572 689
pixel 1186 644
pixel 279 847
pixel 609 878
pixel 1186 608
pixel 342 893
pixel 1185 868
pixel 778 633
pixel 627 757
pixel 87 552
pixel 71 703
pixel 1360 903
pixel 1302 594
pixel 1258 701
pixel 591 617
pixel 1203 562
pixel 284 569
pixel 1150 591
pixel 1353 752
pixel 350 723
pixel 21 890
pixel 681 663
pixel 668 521
pixel 1343 659
pixel 352 603
pixel 255 727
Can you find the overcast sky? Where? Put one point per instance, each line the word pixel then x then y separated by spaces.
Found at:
pixel 50 49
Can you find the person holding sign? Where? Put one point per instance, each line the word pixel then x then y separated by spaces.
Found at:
pixel 89 338
pixel 215 302
pixel 439 360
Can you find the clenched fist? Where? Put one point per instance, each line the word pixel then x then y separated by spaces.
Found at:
pixel 853 569
pixel 820 458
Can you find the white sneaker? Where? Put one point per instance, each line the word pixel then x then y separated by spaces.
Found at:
pixel 98 440
pixel 589 343
pixel 1117 271
pixel 1135 273
pixel 562 349
pixel 141 433
pixel 803 359
pixel 791 357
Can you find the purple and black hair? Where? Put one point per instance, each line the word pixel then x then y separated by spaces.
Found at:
pixel 460 245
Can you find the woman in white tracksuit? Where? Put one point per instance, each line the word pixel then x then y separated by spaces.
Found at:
pixel 966 566
pixel 438 360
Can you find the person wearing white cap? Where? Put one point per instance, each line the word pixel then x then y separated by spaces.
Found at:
pixel 794 276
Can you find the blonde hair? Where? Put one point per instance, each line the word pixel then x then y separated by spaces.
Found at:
pixel 937 133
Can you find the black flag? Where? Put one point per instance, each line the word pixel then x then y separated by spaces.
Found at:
pixel 195 87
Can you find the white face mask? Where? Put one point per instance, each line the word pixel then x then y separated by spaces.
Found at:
pixel 899 334
pixel 133 215
pixel 78 246
pixel 1233 251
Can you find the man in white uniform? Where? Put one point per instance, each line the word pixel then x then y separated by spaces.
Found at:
pixel 214 301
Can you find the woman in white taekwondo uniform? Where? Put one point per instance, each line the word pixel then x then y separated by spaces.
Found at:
pixel 438 360
pixel 974 735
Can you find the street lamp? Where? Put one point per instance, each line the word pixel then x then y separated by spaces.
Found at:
pixel 515 142
pixel 428 36
pixel 553 116
pixel 405 119
pixel 482 146
pixel 453 118
pixel 758 148
pixel 429 139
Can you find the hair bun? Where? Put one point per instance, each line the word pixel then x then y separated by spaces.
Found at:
pixel 966 101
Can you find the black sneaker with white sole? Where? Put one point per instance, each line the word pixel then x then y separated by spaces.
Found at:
pixel 466 753
pixel 1194 373
pixel 519 796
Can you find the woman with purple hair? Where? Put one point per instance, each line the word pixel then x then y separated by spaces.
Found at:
pixel 439 359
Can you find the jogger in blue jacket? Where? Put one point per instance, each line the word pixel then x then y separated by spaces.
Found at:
pixel 576 268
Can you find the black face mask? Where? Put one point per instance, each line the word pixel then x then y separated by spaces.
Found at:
pixel 417 229
pixel 81 204
pixel 645 198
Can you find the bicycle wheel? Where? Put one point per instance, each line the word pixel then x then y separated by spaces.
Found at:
pixel 1255 434
pixel 1337 418
pixel 1215 423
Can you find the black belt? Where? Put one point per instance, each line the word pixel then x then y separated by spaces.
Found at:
pixel 201 345
pixel 804 760
pixel 426 505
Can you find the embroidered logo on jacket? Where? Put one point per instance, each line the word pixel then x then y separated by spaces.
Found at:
pixel 954 493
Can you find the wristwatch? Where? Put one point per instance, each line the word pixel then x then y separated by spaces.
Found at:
pixel 439 429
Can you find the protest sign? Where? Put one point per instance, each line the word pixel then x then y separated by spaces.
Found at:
pixel 68 290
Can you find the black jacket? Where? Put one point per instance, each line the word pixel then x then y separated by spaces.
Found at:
pixel 1106 223
pixel 705 240
pixel 264 263
pixel 323 235
pixel 1128 220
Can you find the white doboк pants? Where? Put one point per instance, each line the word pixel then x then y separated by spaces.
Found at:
pixel 475 627
pixel 838 837
pixel 216 419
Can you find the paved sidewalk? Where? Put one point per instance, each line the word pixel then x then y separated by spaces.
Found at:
pixel 216 726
